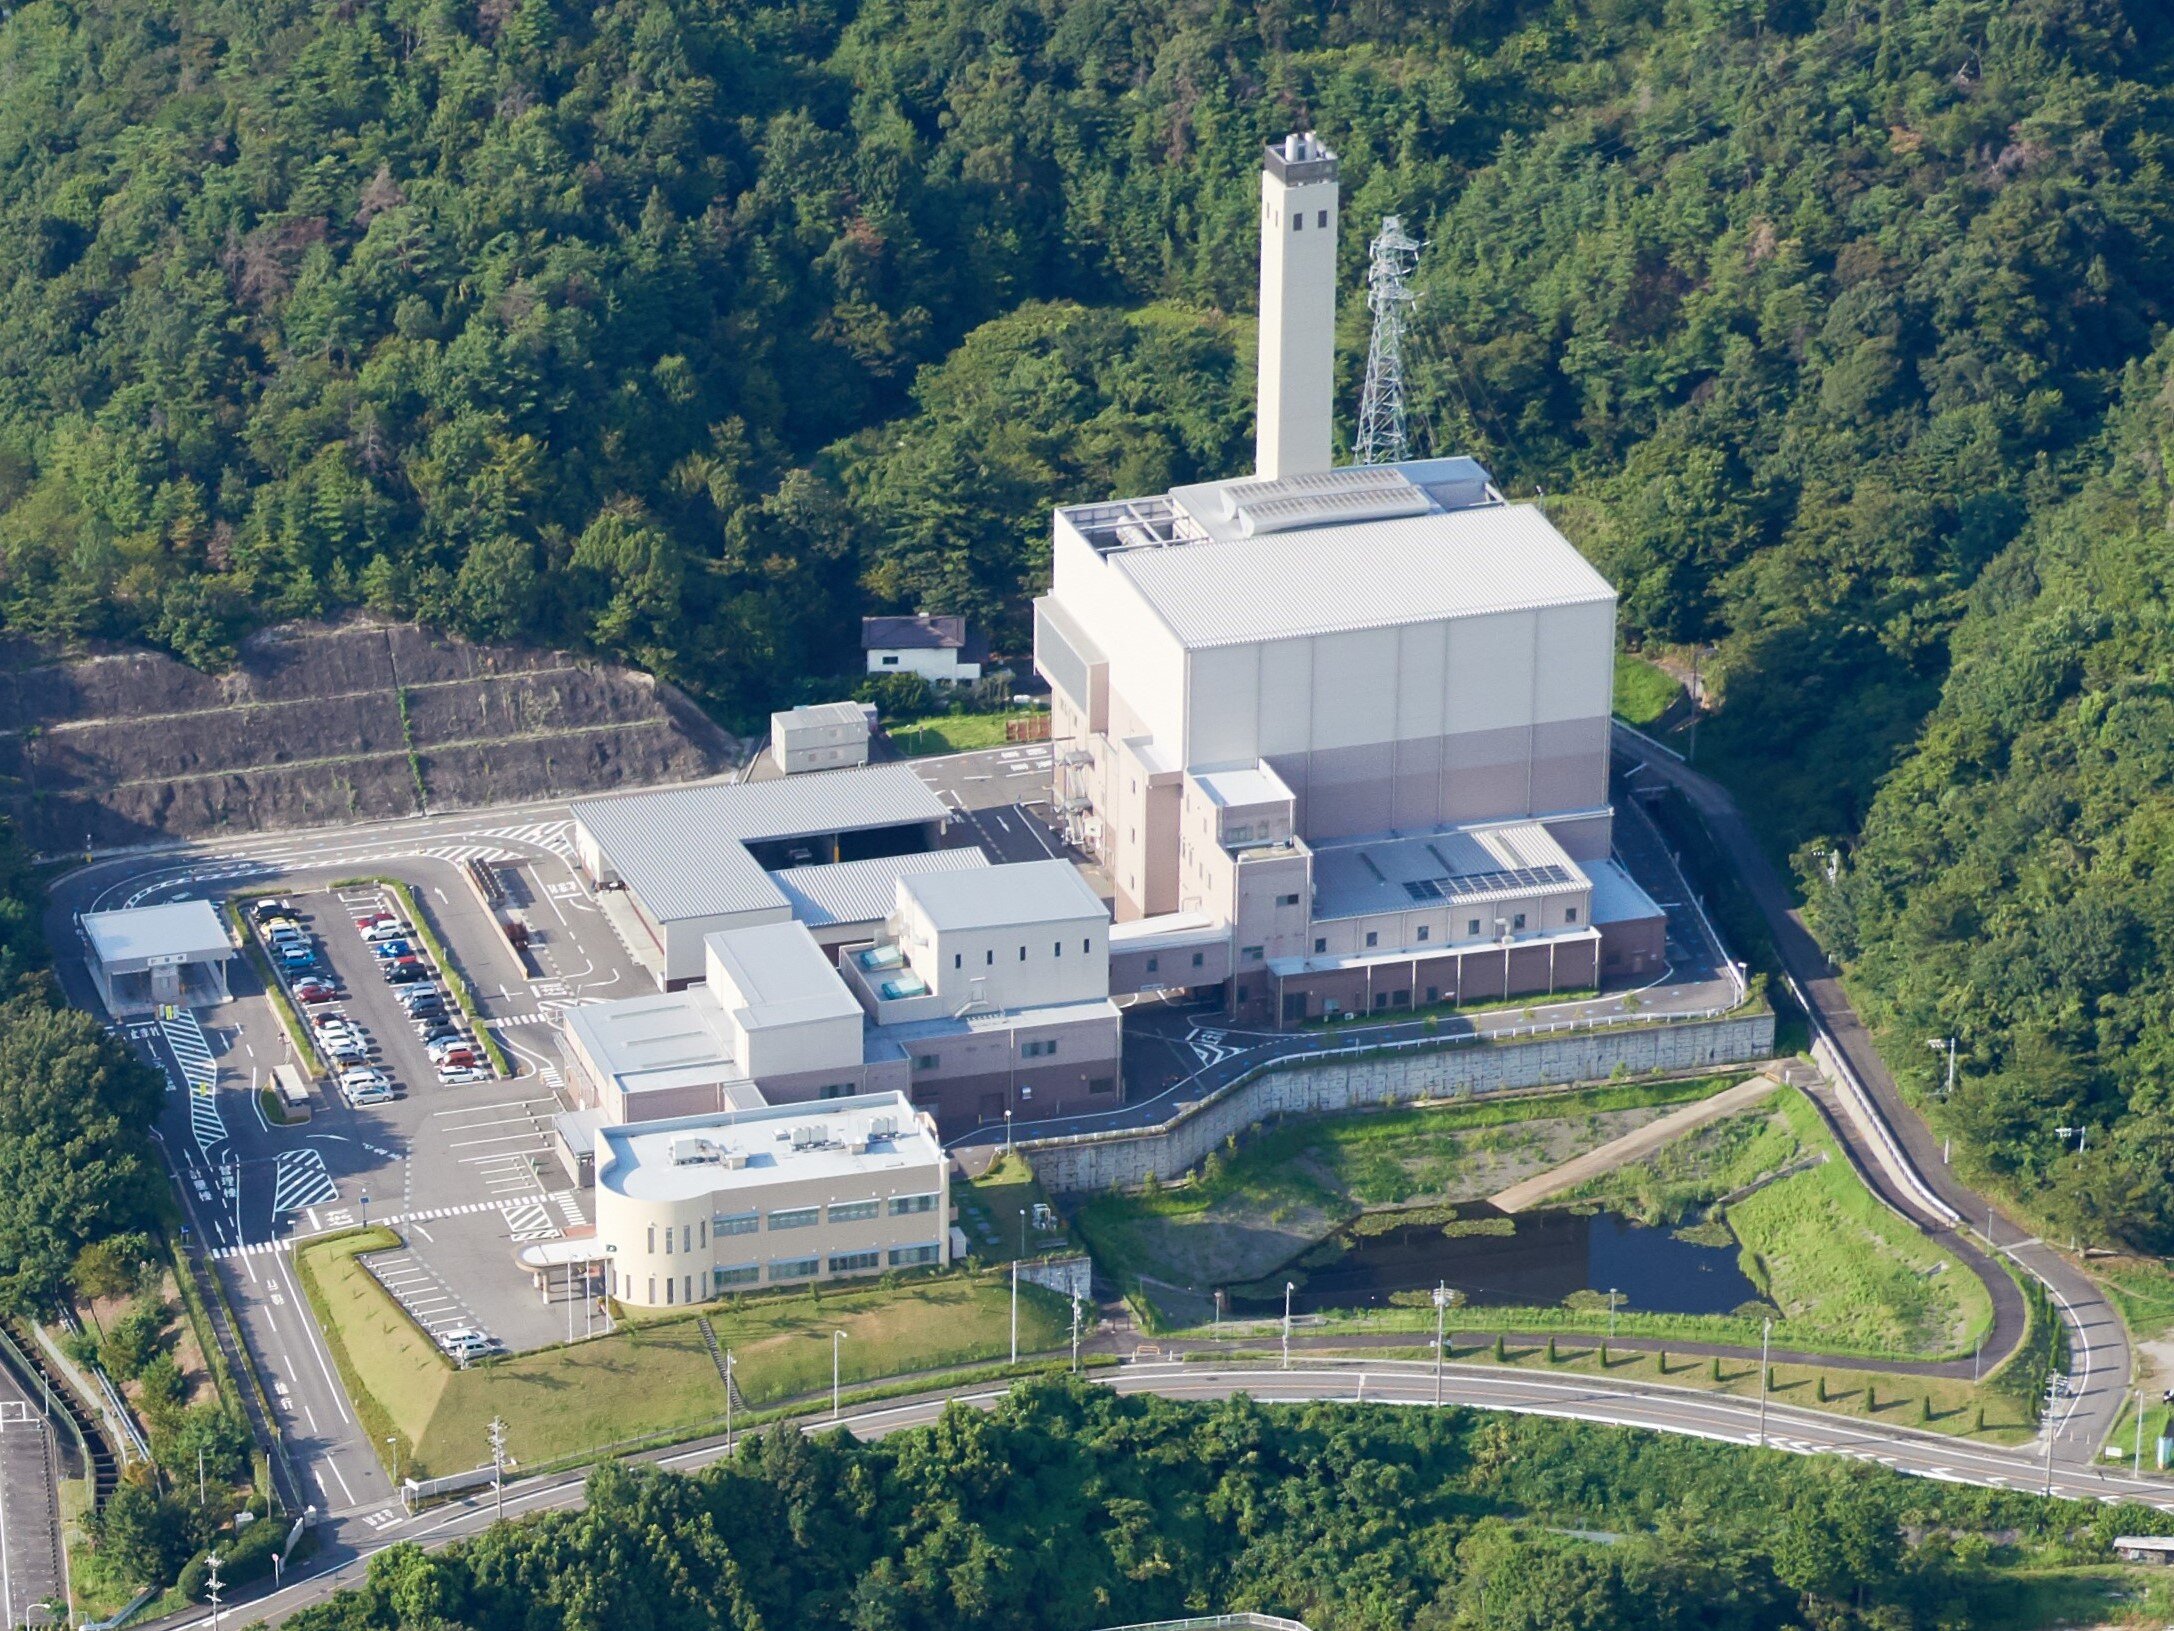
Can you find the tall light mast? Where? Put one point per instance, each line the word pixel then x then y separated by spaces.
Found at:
pixel 1382 438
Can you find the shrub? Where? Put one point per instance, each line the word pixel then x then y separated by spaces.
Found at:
pixel 133 1339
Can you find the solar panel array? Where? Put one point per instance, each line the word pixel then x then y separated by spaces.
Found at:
pixel 1465 885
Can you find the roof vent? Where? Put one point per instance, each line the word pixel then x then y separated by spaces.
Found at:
pixel 1364 493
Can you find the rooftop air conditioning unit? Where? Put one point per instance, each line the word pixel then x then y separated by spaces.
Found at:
pixel 735 1160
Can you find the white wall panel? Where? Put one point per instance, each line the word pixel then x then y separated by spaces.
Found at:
pixel 1577 662
pixel 1490 672
pixel 1225 695
pixel 1286 697
pixel 1422 665
pixel 1354 686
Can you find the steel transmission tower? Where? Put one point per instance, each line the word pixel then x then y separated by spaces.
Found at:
pixel 1389 296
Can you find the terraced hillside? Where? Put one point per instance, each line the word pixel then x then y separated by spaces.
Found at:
pixel 356 721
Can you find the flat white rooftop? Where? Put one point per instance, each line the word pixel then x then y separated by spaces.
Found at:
pixel 182 931
pixel 1242 787
pixel 1344 576
pixel 1617 898
pixel 1000 896
pixel 782 975
pixel 1468 866
pixel 821 715
pixel 687 1155
pixel 637 1037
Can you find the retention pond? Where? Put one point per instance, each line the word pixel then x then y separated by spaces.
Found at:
pixel 1532 1259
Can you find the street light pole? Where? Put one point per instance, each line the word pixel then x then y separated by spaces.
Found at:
pixel 1015 1283
pixel 1075 1328
pixel 728 1404
pixel 2049 1449
pixel 1441 1320
pixel 1611 1313
pixel 498 1466
pixel 1289 1286
pixel 213 1587
pixel 836 1337
pixel 2137 1471
pixel 1766 1331
pixel 392 1443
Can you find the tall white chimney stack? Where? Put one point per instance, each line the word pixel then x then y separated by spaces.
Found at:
pixel 1297 379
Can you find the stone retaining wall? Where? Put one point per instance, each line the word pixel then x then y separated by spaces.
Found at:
pixel 1395 1075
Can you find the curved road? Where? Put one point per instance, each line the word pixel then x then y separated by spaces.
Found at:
pixel 2100 1361
pixel 346 1546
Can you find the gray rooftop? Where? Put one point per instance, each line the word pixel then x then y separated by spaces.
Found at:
pixel 864 891
pixel 1000 896
pixel 1465 866
pixel 680 848
pixel 782 975
pixel 639 1036
pixel 1616 895
pixel 820 715
pixel 191 930
pixel 1347 575
pixel 1243 787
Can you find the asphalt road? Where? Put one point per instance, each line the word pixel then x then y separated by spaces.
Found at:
pixel 2100 1361
pixel 346 1547
pixel 31 1566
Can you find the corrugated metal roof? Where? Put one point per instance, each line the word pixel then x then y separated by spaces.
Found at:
pixel 1617 897
pixel 927 632
pixel 680 849
pixel 1362 575
pixel 181 928
pixel 825 715
pixel 863 891
pixel 997 896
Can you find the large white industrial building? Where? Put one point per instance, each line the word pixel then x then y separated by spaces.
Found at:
pixel 1339 736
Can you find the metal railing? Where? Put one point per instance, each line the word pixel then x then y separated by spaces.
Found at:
pixel 1216 1622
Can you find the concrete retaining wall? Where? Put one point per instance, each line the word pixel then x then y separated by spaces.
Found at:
pixel 1424 1070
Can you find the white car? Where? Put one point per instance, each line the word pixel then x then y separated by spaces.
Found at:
pixel 465 1343
pixel 391 929
pixel 348 1049
pixel 363 1076
pixel 359 1097
pixel 459 1074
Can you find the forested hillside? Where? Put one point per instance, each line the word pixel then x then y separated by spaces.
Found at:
pixel 685 331
pixel 1068 1508
pixel 2016 881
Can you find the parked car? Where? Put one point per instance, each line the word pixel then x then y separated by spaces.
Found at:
pixel 389 928
pixel 363 1076
pixel 458 1059
pixel 313 990
pixel 405 973
pixel 329 1020
pixel 451 1042
pixel 295 959
pixel 360 1097
pixel 455 1075
pixel 347 1050
pixel 265 910
pixel 465 1343
pixel 280 928
pixel 386 950
pixel 422 999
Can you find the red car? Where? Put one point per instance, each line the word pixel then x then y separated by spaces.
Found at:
pixel 314 991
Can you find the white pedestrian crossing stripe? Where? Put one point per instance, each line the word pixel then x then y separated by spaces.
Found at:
pixel 529 1221
pixel 300 1180
pixel 206 1122
pixel 340 1219
pixel 570 1209
pixel 191 1051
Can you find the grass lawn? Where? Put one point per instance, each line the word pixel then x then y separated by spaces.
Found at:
pixel 1842 1269
pixel 952 733
pixel 1244 1215
pixel 1932 1403
pixel 2143 1291
pixel 1643 691
pixel 990 1208
pixel 651 1378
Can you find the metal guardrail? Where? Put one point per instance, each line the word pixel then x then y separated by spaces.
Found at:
pixel 1217 1622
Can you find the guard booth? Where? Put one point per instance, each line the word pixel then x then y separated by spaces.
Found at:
pixel 149 958
pixel 293 1093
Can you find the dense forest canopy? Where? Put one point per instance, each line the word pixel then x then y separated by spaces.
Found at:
pixel 1068 1508
pixel 688 330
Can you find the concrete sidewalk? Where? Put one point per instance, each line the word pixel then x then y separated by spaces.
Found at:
pixel 1634 1145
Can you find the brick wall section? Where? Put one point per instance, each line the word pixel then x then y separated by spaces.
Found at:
pixel 1428 1070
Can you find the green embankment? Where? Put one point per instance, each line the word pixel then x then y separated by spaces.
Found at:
pixel 653 1380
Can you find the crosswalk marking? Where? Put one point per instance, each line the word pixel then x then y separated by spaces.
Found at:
pixel 341 1219
pixel 529 1221
pixel 300 1180
pixel 186 1037
pixel 205 1122
pixel 570 1209
pixel 548 1017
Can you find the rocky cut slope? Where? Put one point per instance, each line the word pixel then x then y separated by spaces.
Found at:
pixel 317 724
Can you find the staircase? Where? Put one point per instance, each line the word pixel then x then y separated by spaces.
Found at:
pixel 717 1358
